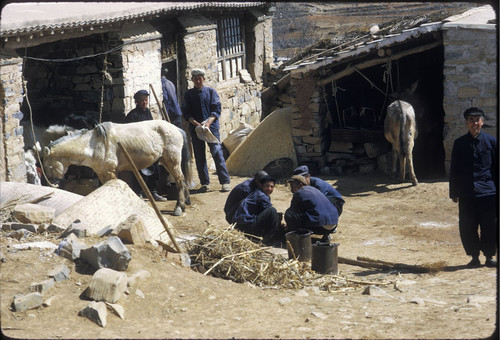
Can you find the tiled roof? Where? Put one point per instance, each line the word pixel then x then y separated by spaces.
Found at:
pixel 30 17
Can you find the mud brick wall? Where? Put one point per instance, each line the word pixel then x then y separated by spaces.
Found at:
pixel 12 167
pixel 470 72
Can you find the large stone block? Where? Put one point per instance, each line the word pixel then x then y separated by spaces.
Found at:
pixel 111 253
pixel 33 213
pixel 107 285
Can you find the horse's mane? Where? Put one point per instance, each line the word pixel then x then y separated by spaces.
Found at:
pixel 102 129
pixel 74 135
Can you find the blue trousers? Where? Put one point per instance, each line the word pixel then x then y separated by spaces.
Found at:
pixel 201 159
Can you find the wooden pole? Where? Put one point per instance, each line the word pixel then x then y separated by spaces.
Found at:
pixel 162 112
pixel 150 197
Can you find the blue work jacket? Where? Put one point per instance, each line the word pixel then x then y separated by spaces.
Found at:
pixel 474 166
pixel 318 209
pixel 251 206
pixel 201 104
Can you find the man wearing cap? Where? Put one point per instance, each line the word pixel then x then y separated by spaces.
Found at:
pixel 140 113
pixel 310 210
pixel 202 107
pixel 240 192
pixel 473 185
pixel 329 191
pixel 256 215
pixel 170 100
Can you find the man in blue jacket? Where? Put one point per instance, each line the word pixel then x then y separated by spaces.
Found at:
pixel 170 100
pixel 329 191
pixel 202 107
pixel 240 192
pixel 473 185
pixel 256 215
pixel 310 210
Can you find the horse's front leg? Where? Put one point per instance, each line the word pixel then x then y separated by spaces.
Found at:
pixel 105 176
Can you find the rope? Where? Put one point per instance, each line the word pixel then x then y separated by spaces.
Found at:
pixel 37 153
pixel 368 80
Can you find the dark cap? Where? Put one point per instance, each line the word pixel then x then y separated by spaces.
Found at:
pixel 473 111
pixel 267 178
pixel 298 178
pixel 140 93
pixel 302 170
pixel 259 175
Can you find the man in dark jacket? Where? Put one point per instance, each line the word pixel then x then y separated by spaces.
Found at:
pixel 170 100
pixel 240 192
pixel 140 113
pixel 473 185
pixel 329 191
pixel 310 210
pixel 202 107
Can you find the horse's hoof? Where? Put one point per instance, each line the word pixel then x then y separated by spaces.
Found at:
pixel 188 201
pixel 177 211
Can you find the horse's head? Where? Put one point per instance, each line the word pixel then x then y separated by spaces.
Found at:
pixel 53 167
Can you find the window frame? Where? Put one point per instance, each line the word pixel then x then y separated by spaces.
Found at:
pixel 231 47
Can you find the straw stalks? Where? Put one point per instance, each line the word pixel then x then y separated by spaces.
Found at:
pixel 227 253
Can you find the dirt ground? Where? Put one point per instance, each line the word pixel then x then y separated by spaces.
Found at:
pixel 382 219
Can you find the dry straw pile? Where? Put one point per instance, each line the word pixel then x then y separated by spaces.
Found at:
pixel 226 253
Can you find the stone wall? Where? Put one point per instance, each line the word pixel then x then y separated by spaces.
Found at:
pixel 470 72
pixel 141 59
pixel 240 97
pixel 12 167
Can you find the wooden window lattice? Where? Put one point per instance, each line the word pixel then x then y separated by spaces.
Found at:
pixel 230 48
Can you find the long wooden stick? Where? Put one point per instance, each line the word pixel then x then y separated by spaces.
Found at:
pixel 362 264
pixel 150 197
pixel 163 113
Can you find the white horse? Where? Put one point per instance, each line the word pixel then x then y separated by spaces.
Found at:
pixel 400 129
pixel 146 142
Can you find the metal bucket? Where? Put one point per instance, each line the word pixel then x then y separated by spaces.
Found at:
pixel 298 243
pixel 325 258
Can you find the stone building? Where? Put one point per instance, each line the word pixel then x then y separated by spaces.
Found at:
pixel 82 62
pixel 339 95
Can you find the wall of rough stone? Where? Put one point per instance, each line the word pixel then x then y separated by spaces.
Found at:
pixel 12 167
pixel 470 79
pixel 141 59
pixel 240 97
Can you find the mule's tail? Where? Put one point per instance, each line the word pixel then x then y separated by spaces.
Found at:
pixel 186 159
pixel 403 131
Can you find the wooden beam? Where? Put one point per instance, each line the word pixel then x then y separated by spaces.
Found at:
pixel 372 62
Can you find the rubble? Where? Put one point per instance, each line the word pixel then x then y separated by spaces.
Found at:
pixel 33 213
pixel 70 247
pixel 43 286
pixel 96 312
pixel 23 302
pixel 107 285
pixel 107 254
pixel 132 230
pixel 59 273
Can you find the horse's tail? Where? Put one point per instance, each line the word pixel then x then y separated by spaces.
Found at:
pixel 403 131
pixel 186 158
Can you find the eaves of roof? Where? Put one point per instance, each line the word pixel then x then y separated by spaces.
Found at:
pixel 477 18
pixel 28 18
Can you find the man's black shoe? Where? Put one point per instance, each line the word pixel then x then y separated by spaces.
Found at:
pixel 158 197
pixel 474 263
pixel 491 263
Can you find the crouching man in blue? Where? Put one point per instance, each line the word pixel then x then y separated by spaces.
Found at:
pixel 329 191
pixel 240 192
pixel 473 185
pixel 256 215
pixel 310 210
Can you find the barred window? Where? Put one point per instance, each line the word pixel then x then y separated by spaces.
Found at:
pixel 230 48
